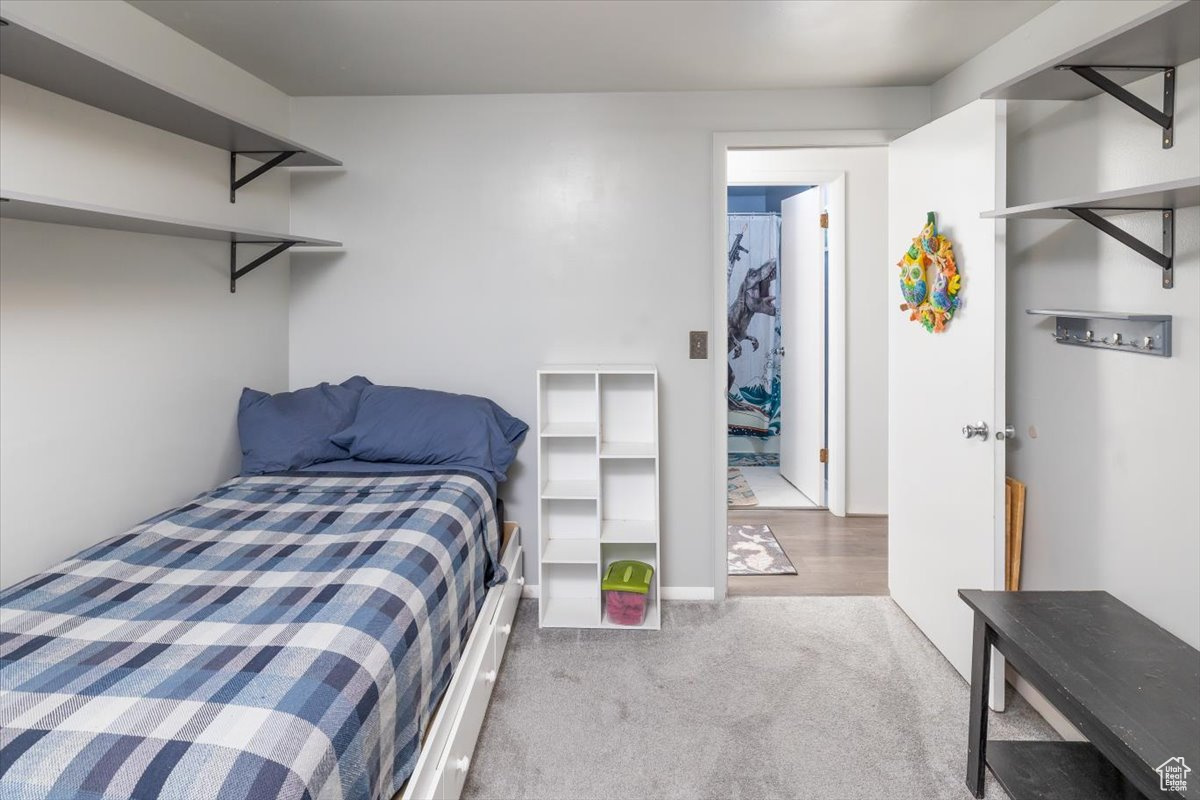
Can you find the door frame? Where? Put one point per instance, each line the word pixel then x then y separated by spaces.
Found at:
pixel 835 320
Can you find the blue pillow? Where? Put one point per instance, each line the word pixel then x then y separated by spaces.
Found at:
pixel 420 426
pixel 291 430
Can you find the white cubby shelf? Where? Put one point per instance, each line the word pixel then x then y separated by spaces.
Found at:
pixel 598 473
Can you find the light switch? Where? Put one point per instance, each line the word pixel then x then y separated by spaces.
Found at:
pixel 698 344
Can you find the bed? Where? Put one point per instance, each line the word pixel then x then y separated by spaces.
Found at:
pixel 330 633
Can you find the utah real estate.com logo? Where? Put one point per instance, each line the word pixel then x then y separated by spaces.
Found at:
pixel 1172 775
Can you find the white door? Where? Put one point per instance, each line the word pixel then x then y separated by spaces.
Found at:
pixel 802 369
pixel 946 492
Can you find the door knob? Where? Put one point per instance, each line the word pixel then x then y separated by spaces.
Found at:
pixel 979 429
pixel 1009 432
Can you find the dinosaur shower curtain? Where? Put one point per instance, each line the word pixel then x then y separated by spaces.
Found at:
pixel 754 333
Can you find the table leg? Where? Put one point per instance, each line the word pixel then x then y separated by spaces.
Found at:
pixel 981 662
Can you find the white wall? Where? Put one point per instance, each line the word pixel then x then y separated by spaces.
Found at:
pixel 121 355
pixel 1113 471
pixel 867 301
pixel 488 234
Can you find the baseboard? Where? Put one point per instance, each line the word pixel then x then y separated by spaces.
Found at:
pixel 1040 704
pixel 693 593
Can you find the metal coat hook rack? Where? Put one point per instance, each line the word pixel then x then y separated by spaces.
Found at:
pixel 1148 334
pixel 1117 339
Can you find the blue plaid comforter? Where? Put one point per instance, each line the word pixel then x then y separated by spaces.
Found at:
pixel 278 637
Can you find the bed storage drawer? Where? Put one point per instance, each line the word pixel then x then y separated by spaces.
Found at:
pixel 456 758
pixel 506 610
pixel 448 750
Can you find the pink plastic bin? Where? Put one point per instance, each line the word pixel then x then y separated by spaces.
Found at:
pixel 626 588
pixel 625 608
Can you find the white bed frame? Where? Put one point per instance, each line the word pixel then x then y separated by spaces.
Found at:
pixel 449 743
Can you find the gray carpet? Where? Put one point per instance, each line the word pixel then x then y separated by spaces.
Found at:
pixel 760 697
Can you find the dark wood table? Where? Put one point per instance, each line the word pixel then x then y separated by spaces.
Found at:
pixel 1129 686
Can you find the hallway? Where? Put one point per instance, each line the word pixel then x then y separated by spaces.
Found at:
pixel 773 491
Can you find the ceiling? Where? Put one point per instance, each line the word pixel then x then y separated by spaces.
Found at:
pixel 374 47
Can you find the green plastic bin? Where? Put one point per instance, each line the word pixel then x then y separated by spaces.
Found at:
pixel 626 588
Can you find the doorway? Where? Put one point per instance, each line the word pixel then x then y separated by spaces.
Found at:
pixel 785 373
pixel 765 264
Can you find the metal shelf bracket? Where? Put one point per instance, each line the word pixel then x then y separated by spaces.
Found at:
pixel 236 183
pixel 1164 119
pixel 235 272
pixel 1164 258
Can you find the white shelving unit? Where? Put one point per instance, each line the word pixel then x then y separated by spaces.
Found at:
pixel 1094 209
pixel 1166 35
pixel 41 59
pixel 1152 197
pixel 36 208
pixel 598 477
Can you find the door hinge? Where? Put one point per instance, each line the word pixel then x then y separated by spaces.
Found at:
pixel 825 219
pixel 824 455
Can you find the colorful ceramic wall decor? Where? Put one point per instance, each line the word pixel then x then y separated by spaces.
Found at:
pixel 930 259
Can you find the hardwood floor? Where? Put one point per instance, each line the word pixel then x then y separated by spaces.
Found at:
pixel 832 555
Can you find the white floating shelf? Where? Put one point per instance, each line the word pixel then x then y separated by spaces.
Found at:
pixel 628 531
pixel 1167 36
pixel 628 450
pixel 1151 197
pixel 570 551
pixel 17 205
pixel 43 61
pixel 321 249
pixel 570 490
pixel 569 429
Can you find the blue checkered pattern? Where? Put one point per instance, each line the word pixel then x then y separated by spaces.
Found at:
pixel 278 637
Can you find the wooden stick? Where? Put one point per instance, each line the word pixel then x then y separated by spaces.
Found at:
pixel 1008 534
pixel 1018 531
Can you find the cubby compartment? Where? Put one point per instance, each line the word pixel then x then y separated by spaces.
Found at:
pixel 568 468
pixel 644 552
pixel 568 404
pixel 629 500
pixel 628 415
pixel 570 596
pixel 570 532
